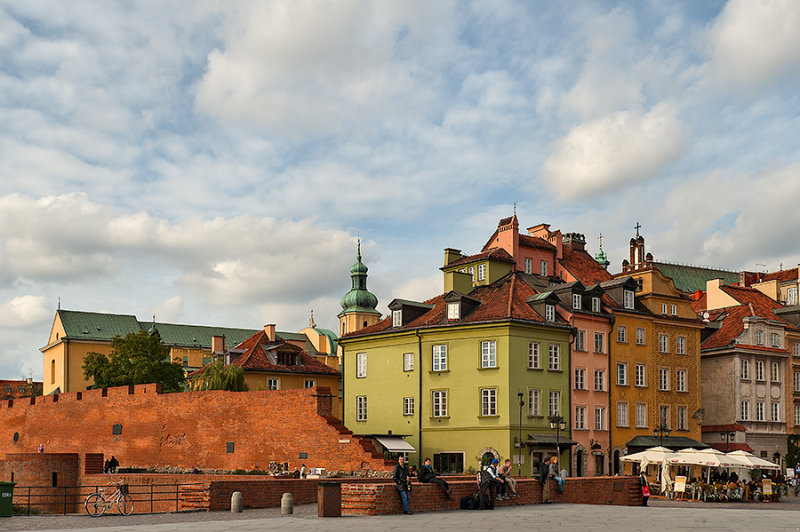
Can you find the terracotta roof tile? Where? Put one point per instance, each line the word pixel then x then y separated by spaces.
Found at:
pixel 781 276
pixel 504 299
pixel 583 267
pixel 255 356
pixel 535 242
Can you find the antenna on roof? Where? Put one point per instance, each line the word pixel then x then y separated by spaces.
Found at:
pixel 59 302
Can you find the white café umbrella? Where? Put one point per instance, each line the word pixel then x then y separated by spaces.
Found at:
pixel 754 461
pixel 654 455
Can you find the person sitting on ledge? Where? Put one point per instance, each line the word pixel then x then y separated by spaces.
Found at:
pixel 428 475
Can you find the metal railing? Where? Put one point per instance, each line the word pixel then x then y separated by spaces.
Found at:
pixel 147 498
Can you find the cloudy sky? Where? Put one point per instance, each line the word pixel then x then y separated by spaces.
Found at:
pixel 214 162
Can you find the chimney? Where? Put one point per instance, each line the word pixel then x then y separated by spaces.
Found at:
pixel 218 344
pixel 451 255
pixel 575 241
pixel 270 330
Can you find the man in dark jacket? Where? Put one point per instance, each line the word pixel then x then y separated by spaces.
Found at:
pixel 427 474
pixel 402 481
pixel 544 475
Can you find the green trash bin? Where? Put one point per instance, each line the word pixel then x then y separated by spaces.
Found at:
pixel 6 497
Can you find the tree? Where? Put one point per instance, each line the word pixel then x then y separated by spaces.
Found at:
pixel 138 358
pixel 218 376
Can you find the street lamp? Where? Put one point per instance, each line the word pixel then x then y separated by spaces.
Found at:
pixel 727 437
pixel 519 453
pixel 659 432
pixel 558 423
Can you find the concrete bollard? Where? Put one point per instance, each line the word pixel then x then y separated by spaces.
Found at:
pixel 236 502
pixel 287 504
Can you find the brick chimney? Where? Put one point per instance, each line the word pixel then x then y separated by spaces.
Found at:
pixel 575 241
pixel 218 344
pixel 270 330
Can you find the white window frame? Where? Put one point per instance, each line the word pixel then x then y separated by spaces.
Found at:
pixel 580 340
pixel 554 404
pixel 664 414
pixel 599 343
pixel 481 272
pixel 680 345
pixel 622 334
pixel 599 380
pixel 791 296
pixel 408 406
pixel 534 402
pixel 797 414
pixel 796 349
pixel 760 411
pixel 745 413
pixel 528 265
pixel 534 360
pixel 760 371
pixel 543 268
pixel 622 414
pixel 550 312
pixel 397 318
pixel 361 365
pixel 775 412
pixel 796 381
pixel 439 403
pixel 453 311
pixel 622 373
pixel 628 300
pixel 576 301
pixel 663 379
pixel 580 418
pixel 641 375
pixel 681 415
pixel 640 336
pixel 595 304
pixel 664 309
pixel 488 354
pixel 361 408
pixel 488 401
pixel 309 383
pixel 554 357
pixel 663 343
pixel 759 337
pixel 776 372
pixel 745 370
pixel 580 378
pixel 673 310
pixel 774 340
pixel 471 271
pixel 599 418
pixel 273 383
pixel 408 361
pixel 439 357
pixel 641 415
pixel 680 380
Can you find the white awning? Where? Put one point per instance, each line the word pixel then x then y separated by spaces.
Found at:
pixel 395 444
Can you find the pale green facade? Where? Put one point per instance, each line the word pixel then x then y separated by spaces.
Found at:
pixel 464 430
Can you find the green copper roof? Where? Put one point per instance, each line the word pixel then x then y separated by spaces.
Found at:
pixel 178 335
pixel 97 326
pixel 601 258
pixel 691 278
pixel 359 299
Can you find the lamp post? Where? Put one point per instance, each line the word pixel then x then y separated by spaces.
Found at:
pixel 659 432
pixel 519 453
pixel 727 437
pixel 558 423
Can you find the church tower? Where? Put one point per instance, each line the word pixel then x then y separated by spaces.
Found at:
pixel 358 305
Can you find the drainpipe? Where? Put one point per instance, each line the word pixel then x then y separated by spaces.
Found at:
pixel 419 395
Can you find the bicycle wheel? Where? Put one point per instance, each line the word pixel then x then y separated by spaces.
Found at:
pixel 95 504
pixel 125 504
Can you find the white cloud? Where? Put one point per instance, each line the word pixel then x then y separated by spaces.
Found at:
pixel 169 310
pixel 618 149
pixel 24 311
pixel 754 43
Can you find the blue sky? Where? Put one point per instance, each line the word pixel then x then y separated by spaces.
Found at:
pixel 214 162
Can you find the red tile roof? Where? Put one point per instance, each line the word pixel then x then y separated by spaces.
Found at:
pixel 583 267
pixel 763 305
pixel 502 300
pixel 781 276
pixel 701 304
pixel 493 253
pixel 722 428
pixel 535 242
pixel 255 356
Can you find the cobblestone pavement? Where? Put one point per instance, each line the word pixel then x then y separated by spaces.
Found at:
pixel 661 516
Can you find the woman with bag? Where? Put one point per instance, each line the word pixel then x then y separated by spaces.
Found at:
pixel 645 487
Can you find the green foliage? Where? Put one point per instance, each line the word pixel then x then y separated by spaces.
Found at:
pixel 793 452
pixel 218 376
pixel 138 358
pixel 755 475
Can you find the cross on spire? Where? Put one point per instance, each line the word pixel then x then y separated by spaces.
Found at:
pixel 637 227
pixel 515 208
pixel 600 238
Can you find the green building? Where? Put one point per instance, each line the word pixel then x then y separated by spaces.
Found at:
pixel 465 376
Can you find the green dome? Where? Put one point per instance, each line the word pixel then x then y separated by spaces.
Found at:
pixel 359 298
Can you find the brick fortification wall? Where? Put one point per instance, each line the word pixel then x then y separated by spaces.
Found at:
pixel 377 499
pixel 142 427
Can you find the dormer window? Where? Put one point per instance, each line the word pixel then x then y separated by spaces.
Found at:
pixel 576 301
pixel 453 311
pixel 595 304
pixel 481 272
pixel 550 312
pixel 627 298
pixel 759 337
pixel 397 318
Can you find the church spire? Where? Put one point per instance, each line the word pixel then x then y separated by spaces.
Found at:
pixel 601 256
pixel 359 304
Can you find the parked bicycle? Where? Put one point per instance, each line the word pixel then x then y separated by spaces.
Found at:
pixel 97 503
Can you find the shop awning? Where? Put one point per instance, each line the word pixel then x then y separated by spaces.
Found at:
pixel 395 444
pixel 549 440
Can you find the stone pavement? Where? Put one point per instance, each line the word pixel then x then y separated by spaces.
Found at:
pixel 560 517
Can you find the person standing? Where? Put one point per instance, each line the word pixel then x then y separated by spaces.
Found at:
pixel 402 481
pixel 645 487
pixel 427 474
pixel 303 471
pixel 544 475
pixel 504 472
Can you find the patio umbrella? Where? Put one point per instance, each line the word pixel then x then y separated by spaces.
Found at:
pixel 654 455
pixel 666 482
pixel 755 462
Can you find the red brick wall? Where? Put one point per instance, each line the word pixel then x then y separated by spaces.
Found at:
pixel 188 429
pixel 37 469
pixel 376 499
